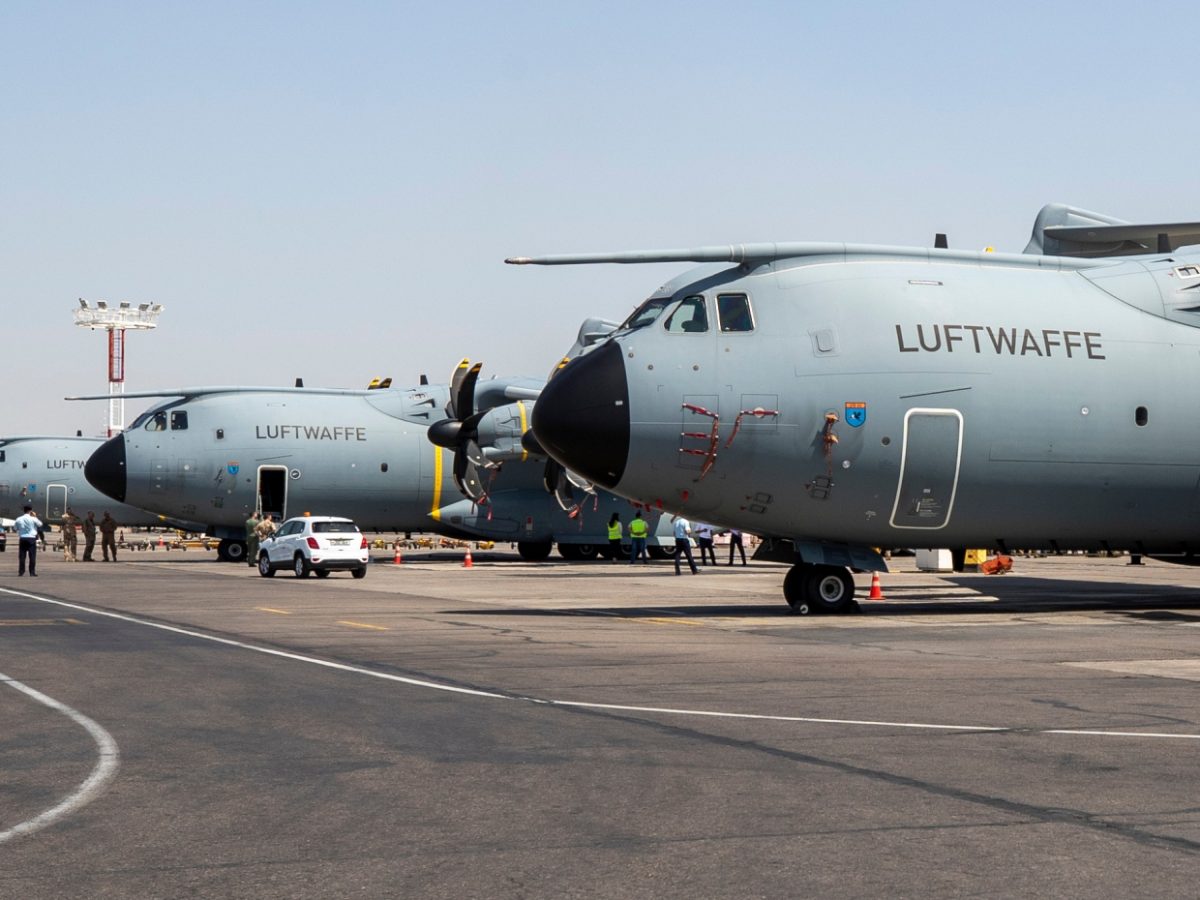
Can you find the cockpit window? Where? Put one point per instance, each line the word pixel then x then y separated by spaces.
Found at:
pixel 734 312
pixel 156 421
pixel 689 317
pixel 179 420
pixel 646 313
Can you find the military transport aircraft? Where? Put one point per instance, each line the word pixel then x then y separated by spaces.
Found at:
pixel 217 454
pixel 848 397
pixel 48 474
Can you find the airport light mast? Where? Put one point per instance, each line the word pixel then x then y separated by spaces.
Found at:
pixel 116 322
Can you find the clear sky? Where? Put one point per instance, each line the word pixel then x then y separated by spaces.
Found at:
pixel 328 190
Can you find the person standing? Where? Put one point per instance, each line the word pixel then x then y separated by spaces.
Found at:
pixel 704 538
pixel 638 529
pixel 735 540
pixel 252 524
pixel 89 536
pixel 27 526
pixel 70 540
pixel 614 537
pixel 683 546
pixel 108 536
pixel 266 528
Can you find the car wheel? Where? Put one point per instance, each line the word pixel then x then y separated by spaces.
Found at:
pixel 264 566
pixel 322 573
pixel 300 566
pixel 359 573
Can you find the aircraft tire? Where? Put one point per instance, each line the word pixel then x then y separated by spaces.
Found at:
pixel 570 552
pixel 829 589
pixel 264 566
pixel 660 553
pixel 794 590
pixel 230 550
pixel 534 551
pixel 587 551
pixel 300 566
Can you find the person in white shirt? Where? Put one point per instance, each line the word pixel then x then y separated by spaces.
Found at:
pixel 704 539
pixel 683 546
pixel 27 527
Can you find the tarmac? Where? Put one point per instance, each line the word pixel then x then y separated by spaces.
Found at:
pixel 172 726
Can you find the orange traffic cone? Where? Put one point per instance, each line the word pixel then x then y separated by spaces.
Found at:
pixel 467 562
pixel 876 593
pixel 160 542
pixel 396 559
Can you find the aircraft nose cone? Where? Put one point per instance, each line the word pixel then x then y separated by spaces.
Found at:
pixel 105 469
pixel 581 417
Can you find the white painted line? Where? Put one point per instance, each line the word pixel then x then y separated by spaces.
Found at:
pixel 576 704
pixel 102 774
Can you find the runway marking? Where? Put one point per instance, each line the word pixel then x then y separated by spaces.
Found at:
pixel 26 623
pixel 95 784
pixel 363 625
pixel 583 704
pixel 668 620
pixel 271 609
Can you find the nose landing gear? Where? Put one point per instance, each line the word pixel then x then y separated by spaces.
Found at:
pixel 811 589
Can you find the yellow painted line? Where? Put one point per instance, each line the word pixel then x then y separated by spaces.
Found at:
pixel 26 623
pixel 362 625
pixel 435 510
pixel 524 427
pixel 271 609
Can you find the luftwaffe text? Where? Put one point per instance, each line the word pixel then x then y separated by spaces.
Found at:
pixel 989 339
pixel 310 432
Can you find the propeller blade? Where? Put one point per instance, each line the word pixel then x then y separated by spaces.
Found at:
pixel 456 381
pixel 466 476
pixel 465 403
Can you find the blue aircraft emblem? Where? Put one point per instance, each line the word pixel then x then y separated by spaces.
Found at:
pixel 232 468
pixel 856 414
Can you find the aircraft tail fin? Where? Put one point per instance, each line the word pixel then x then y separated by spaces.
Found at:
pixel 1062 230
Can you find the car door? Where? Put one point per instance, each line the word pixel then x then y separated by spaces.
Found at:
pixel 279 550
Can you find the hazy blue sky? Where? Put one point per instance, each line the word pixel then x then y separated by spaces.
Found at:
pixel 329 189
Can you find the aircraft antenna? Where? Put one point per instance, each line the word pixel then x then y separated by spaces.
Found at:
pixel 116 321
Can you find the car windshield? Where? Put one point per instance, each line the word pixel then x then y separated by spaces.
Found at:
pixel 334 528
pixel 645 314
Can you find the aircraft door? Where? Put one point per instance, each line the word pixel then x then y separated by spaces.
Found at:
pixel 272 491
pixel 56 501
pixel 929 466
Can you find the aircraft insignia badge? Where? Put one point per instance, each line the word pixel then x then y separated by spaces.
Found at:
pixel 856 414
pixel 232 468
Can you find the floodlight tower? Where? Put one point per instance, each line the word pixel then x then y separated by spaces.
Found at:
pixel 116 322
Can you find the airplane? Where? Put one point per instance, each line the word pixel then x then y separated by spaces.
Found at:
pixel 217 454
pixel 840 398
pixel 48 474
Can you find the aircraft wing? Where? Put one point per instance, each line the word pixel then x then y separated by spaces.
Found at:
pixel 208 391
pixel 1062 230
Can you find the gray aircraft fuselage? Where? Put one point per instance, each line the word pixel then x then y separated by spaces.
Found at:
pixel 48 474
pixel 217 455
pixel 912 398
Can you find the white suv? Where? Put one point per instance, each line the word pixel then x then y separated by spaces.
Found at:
pixel 314 544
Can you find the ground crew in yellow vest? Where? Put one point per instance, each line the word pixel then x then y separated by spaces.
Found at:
pixel 614 537
pixel 638 529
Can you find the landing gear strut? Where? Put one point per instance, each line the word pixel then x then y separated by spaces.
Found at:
pixel 818 589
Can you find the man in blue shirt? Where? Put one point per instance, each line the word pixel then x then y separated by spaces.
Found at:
pixel 27 527
pixel 682 545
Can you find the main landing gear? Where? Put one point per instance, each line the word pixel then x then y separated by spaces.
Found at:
pixel 230 550
pixel 811 589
